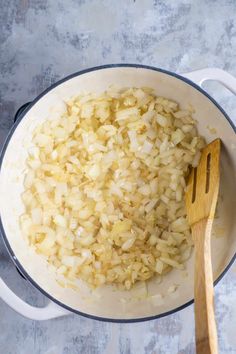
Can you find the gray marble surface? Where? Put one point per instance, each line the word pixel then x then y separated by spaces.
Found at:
pixel 44 40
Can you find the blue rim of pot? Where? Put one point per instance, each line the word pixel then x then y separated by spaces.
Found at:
pixel 4 148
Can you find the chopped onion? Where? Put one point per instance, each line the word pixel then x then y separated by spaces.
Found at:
pixel 147 147
pixel 104 188
pixel 161 120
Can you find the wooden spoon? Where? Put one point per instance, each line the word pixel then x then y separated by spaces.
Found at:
pixel 201 197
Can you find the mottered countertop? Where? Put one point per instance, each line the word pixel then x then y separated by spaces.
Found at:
pixel 42 41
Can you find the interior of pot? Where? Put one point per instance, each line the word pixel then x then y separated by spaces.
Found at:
pixel 107 302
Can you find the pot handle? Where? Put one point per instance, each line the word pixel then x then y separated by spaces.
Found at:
pixel 21 110
pixel 51 310
pixel 214 74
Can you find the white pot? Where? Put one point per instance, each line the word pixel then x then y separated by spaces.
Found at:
pixel 108 305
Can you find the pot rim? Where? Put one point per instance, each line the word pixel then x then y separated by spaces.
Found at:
pixel 2 154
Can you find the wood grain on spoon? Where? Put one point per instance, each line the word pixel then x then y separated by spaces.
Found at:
pixel 201 198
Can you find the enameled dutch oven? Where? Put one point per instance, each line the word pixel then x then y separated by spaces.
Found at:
pixel 107 304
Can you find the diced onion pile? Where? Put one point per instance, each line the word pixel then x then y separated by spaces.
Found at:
pixel 104 188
